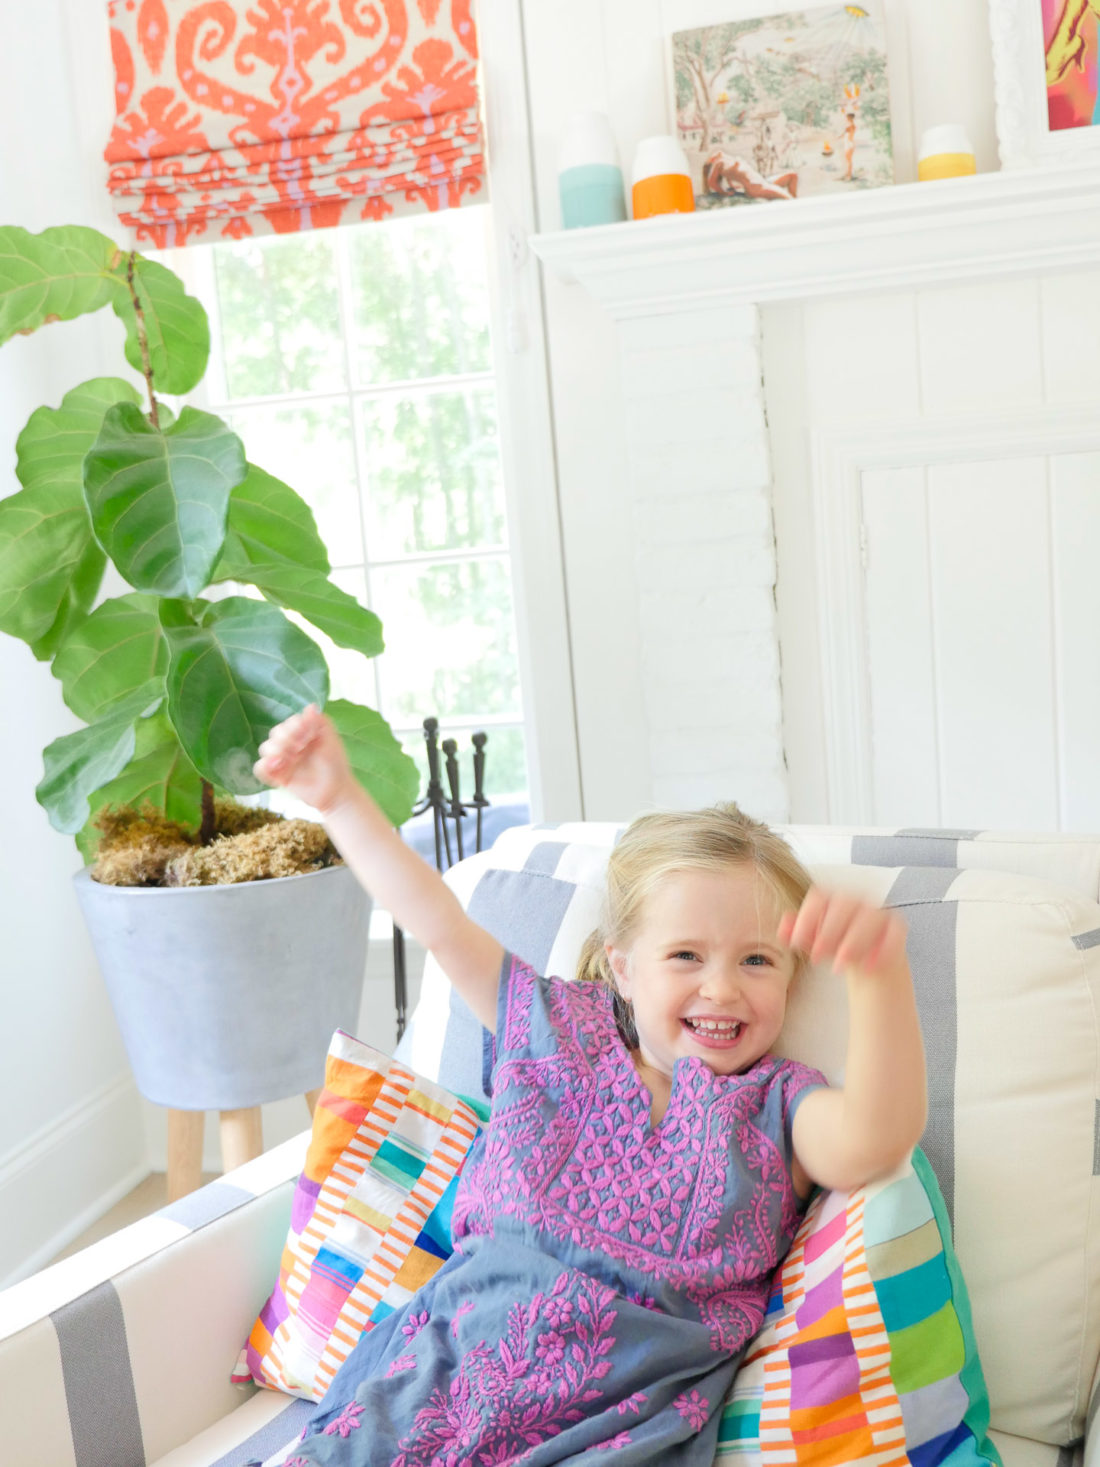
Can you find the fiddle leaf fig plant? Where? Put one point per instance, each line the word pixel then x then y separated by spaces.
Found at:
pixel 176 687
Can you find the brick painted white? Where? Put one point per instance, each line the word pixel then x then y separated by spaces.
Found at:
pixel 699 487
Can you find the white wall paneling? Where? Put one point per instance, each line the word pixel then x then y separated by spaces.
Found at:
pixel 959 598
pixel 1075 558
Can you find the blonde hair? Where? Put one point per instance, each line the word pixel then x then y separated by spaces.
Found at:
pixel 654 847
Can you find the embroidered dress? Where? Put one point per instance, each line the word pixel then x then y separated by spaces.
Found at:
pixel 607 1273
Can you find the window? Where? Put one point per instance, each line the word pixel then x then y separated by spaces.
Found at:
pixel 355 363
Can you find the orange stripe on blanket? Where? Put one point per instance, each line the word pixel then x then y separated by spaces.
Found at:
pixel 835 1450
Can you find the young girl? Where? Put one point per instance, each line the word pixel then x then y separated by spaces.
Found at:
pixel 647 1157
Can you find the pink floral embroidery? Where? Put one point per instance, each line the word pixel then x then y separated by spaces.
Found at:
pixel 694 1408
pixel 701 1205
pixel 347 1421
pixel 403 1362
pixel 414 1324
pixel 620 1439
pixel 463 1308
pixel 538 1380
pixel 633 1403
pixel 517 1020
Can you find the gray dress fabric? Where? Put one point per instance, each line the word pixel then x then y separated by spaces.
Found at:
pixel 607 1273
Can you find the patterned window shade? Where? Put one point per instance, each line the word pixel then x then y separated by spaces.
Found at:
pixel 239 117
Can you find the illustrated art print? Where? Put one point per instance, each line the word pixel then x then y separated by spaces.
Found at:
pixel 783 106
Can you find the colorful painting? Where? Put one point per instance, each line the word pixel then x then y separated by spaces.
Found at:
pixel 1070 34
pixel 782 106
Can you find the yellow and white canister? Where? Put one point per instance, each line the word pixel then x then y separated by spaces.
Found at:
pixel 945 152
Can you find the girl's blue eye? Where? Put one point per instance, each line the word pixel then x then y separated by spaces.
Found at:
pixel 758 959
pixel 685 955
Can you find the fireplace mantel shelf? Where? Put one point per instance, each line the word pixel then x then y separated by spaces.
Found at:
pixel 994 224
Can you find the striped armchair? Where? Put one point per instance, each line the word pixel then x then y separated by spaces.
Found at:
pixel 121 1356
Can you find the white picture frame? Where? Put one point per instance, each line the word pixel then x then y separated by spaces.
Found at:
pixel 1024 136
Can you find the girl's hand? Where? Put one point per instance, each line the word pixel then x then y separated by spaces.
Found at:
pixel 847 932
pixel 305 756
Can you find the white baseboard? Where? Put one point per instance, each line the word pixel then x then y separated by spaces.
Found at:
pixel 66 1176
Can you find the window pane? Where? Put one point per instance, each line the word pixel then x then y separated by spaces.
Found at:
pixel 310 448
pixel 280 315
pixel 420 298
pixel 433 473
pixel 351 675
pixel 450 640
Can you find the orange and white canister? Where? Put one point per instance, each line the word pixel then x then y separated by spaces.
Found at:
pixel 661 179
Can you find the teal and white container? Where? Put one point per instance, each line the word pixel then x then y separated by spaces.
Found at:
pixel 590 179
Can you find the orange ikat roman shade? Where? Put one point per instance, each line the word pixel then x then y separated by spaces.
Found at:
pixel 239 117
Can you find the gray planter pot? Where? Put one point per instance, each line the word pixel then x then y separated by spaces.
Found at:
pixel 227 996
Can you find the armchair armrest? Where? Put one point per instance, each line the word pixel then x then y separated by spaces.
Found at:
pixel 123 1351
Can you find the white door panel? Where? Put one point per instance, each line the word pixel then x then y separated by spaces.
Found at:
pixel 981 607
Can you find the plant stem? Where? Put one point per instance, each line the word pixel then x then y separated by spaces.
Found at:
pixel 206 829
pixel 143 344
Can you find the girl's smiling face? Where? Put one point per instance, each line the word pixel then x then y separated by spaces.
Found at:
pixel 705 970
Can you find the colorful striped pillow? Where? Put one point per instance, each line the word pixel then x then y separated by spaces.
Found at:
pixel 867 1353
pixel 371 1217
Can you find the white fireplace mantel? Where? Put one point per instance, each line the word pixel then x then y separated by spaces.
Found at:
pixel 978 228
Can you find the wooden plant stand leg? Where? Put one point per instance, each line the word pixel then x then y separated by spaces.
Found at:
pixel 242 1136
pixel 184 1152
pixel 312 1097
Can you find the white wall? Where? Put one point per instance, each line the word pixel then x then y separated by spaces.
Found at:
pixel 71 1131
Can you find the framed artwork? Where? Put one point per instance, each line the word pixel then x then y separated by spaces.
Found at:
pixel 1045 70
pixel 781 105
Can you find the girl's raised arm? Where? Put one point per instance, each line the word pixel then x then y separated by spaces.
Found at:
pixel 305 756
pixel 846 1136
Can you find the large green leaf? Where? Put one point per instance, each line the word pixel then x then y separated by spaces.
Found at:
pixel 54 276
pixel 116 650
pixel 268 521
pixel 377 760
pixel 79 763
pixel 159 774
pixel 43 539
pixel 69 270
pixel 51 448
pixel 176 328
pixel 159 498
pixel 240 669
pixel 50 564
pixel 79 595
pixel 331 610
